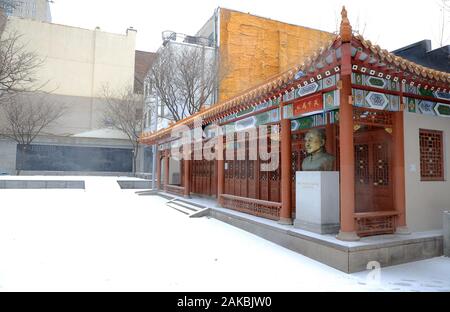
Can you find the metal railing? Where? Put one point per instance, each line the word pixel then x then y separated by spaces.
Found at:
pixel 177 37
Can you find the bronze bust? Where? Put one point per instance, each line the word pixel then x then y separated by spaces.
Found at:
pixel 317 159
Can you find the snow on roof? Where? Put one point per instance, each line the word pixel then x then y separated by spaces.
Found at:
pixel 104 133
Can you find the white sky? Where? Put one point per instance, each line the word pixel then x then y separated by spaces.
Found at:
pixel 390 23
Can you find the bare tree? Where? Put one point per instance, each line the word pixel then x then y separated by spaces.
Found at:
pixel 18 67
pixel 444 7
pixel 25 116
pixel 184 78
pixel 123 111
pixel 18 64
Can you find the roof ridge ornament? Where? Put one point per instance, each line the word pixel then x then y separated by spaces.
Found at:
pixel 346 28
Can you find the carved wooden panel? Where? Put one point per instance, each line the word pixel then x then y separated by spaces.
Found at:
pixel 381 167
pixel 431 155
pixel 375 223
pixel 373 174
pixel 251 179
pixel 264 184
pixel 266 209
pixel 372 117
pixel 275 184
pixel 362 164
pixel 229 177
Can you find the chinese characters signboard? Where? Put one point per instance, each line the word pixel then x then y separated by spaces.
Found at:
pixel 308 105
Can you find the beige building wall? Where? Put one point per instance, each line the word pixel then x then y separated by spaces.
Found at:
pixel 77 64
pixel 425 200
pixel 78 61
pixel 253 48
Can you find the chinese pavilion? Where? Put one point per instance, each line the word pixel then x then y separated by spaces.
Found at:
pixel 383 117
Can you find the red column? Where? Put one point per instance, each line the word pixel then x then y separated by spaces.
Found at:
pixel 187 178
pixel 220 169
pixel 346 150
pixel 398 164
pixel 158 170
pixel 286 179
pixel 166 170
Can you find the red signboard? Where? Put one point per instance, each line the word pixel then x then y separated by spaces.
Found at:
pixel 309 104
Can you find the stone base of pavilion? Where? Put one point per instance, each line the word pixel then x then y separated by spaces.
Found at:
pixel 348 257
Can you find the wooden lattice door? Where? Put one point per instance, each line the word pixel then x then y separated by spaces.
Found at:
pixel 373 171
pixel 297 156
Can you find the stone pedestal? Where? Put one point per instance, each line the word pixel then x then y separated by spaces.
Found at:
pixel 446 233
pixel 317 201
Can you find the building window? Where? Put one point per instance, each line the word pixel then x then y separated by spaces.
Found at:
pixel 431 155
pixel 149 119
pixel 146 125
pixel 138 113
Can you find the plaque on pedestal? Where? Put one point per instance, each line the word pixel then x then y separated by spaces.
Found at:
pixel 317 201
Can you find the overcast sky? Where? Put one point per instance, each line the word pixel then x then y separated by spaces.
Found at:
pixel 390 23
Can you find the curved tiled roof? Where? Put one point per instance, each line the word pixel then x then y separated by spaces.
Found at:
pixel 276 83
pixel 404 64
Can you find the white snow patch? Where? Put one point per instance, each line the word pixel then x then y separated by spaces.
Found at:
pixel 107 239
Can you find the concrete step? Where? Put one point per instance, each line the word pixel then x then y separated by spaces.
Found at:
pixel 147 193
pixel 179 208
pixel 187 205
pixel 135 184
pixel 184 206
pixel 201 213
pixel 190 203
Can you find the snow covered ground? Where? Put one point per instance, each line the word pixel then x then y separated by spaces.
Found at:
pixel 107 239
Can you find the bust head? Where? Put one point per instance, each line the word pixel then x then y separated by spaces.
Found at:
pixel 318 159
pixel 314 141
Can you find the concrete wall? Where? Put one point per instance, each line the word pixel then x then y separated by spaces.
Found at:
pixel 76 65
pixel 8 150
pixel 422 53
pixel 425 200
pixel 446 233
pixel 43 157
pixel 253 48
pixel 81 114
pixel 7 157
pixel 78 61
pixel 208 28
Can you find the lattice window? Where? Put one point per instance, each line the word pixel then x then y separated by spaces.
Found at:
pixel 243 169
pixel 275 174
pixel 263 175
pixel 230 170
pixel 362 164
pixel 237 169
pixel 251 170
pixel 294 161
pixel 381 164
pixel 431 155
